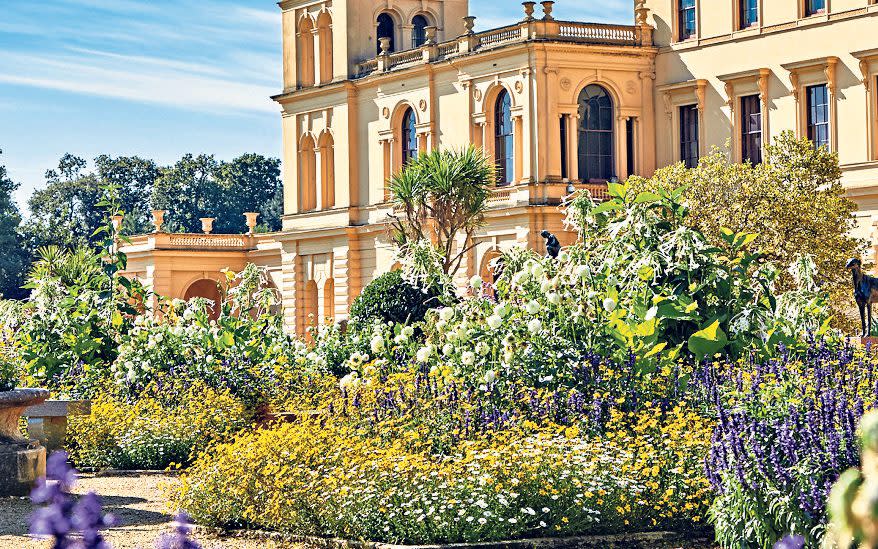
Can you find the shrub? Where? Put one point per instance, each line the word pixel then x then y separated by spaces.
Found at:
pixel 168 424
pixel 389 298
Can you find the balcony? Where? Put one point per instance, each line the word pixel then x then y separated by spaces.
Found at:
pixel 526 31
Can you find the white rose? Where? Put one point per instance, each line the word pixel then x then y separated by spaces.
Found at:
pixel 534 326
pixel 545 285
pixel 440 326
pixel 501 310
pixel 446 314
pixel 518 278
pixel 468 358
pixel 408 331
pixel 349 380
pixel 494 321
pixel 582 271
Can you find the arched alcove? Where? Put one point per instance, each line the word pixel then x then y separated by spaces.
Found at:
pixel 208 289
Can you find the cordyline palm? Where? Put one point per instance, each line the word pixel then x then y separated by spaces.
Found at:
pixel 440 195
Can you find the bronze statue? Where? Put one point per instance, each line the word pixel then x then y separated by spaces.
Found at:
pixel 865 293
pixel 553 247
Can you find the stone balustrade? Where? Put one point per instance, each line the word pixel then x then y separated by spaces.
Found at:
pixel 526 31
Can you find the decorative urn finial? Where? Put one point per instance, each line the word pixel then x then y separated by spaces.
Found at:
pixel 158 219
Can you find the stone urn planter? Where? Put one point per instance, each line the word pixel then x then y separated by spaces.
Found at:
pixel 22 461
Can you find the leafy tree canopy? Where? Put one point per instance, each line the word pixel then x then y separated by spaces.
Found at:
pixel 12 254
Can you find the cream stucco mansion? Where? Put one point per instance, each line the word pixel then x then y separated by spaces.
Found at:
pixel 370 83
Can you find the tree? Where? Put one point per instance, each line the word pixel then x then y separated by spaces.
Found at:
pixel 200 186
pixel 794 200
pixel 442 195
pixel 13 256
pixel 64 213
pixel 134 178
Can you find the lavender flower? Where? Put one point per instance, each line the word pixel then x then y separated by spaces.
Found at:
pixel 179 539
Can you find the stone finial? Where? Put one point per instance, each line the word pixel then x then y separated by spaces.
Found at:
pixel 430 31
pixel 251 221
pixel 469 23
pixel 158 219
pixel 384 41
pixel 548 7
pixel 207 224
pixel 529 10
pixel 640 13
pixel 117 223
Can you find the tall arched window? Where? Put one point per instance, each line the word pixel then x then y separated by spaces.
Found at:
pixel 324 33
pixel 419 31
pixel 327 170
pixel 305 47
pixel 409 136
pixel 596 156
pixel 504 146
pixel 386 29
pixel 307 175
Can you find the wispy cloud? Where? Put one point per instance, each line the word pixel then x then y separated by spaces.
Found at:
pixel 142 80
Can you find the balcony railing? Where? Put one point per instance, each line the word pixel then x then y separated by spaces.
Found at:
pixel 527 31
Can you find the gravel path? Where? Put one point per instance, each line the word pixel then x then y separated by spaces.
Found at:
pixel 137 502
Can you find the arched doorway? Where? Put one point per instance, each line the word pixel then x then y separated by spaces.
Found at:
pixel 208 289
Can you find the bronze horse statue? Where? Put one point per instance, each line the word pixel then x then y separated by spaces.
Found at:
pixel 865 293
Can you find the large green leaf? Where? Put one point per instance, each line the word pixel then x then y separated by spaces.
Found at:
pixel 708 341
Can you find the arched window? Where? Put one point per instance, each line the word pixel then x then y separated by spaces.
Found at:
pixel 327 170
pixel 409 136
pixel 305 47
pixel 324 33
pixel 310 304
pixel 419 31
pixel 329 300
pixel 503 139
pixel 596 157
pixel 307 175
pixel 386 29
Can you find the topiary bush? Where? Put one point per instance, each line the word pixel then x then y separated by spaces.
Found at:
pixel 392 299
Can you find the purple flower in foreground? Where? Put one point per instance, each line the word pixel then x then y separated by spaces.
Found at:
pixel 179 539
pixel 89 518
pixel 790 542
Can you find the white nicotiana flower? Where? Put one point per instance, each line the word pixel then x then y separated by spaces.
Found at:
pixel 468 358
pixel 554 298
pixel 536 270
pixel 424 353
pixel 446 313
pixel 495 321
pixel 482 348
pixel 532 307
pixel 377 344
pixel 490 376
pixel 534 326
pixel 501 310
pixel 609 304
pixel 476 282
pixel 447 349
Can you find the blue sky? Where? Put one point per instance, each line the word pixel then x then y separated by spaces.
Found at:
pixel 159 78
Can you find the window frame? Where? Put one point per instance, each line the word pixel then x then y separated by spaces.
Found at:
pixel 606 158
pixel 409 146
pixel 689 134
pixel 681 19
pixel 812 126
pixel 419 33
pixel 751 140
pixel 745 23
pixel 504 143
pixel 809 11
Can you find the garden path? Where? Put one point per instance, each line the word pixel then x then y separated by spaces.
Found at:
pixel 138 503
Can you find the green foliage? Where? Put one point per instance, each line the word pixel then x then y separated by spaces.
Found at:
pixel 793 200
pixel 389 298
pixel 13 255
pixel 201 186
pixel 442 196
